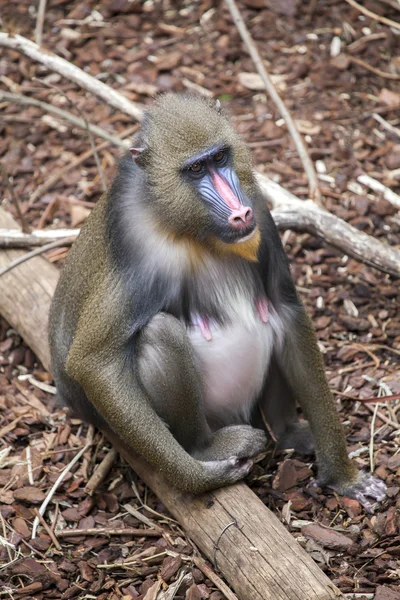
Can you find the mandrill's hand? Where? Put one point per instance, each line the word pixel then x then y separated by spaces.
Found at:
pixel 366 487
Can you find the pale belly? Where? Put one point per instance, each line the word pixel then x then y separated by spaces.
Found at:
pixel 233 364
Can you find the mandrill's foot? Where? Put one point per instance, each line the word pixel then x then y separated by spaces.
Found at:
pixel 366 486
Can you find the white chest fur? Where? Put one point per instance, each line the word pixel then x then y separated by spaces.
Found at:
pixel 235 360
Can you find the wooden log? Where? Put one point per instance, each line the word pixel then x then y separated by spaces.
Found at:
pixel 235 530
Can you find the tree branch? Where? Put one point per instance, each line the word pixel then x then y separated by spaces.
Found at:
pixel 71 72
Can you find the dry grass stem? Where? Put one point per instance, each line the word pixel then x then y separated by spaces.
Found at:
pixel 269 86
pixel 372 15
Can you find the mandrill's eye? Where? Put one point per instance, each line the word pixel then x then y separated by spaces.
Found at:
pixel 219 157
pixel 196 167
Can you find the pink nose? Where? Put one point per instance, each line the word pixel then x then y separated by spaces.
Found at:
pixel 241 217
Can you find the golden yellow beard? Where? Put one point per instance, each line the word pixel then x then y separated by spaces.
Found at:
pixel 197 251
pixel 247 250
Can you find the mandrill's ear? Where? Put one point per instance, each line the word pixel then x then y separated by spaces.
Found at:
pixel 218 106
pixel 138 156
pixel 136 152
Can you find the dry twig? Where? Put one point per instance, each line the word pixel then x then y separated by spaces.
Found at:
pixel 86 127
pixel 75 163
pixel 29 255
pixel 15 200
pixel 71 72
pixel 50 532
pixel 361 42
pixel 104 531
pixel 14 238
pixel 40 21
pixel 63 114
pixel 386 125
pixel 212 576
pixel 269 86
pixel 375 70
pixel 372 15
pixel 101 472
pixel 377 186
pixel 53 490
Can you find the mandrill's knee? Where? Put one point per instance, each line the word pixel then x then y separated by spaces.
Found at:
pixel 163 331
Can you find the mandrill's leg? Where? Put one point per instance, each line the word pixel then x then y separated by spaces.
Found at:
pixel 168 374
pixel 278 405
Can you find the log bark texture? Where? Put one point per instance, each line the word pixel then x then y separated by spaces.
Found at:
pixel 235 530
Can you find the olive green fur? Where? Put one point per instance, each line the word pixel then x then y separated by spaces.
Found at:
pixel 94 348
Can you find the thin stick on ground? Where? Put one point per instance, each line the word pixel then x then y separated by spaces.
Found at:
pixel 377 186
pixel 63 114
pixel 75 163
pixel 86 126
pixel 40 21
pixel 269 86
pixel 18 261
pixel 371 442
pixel 375 70
pixel 386 125
pixel 15 200
pixel 67 69
pixel 383 417
pixel 372 15
pixel 50 532
pixel 134 532
pixel 101 472
pixel 53 490
pixel 212 576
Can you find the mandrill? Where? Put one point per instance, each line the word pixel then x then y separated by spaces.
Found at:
pixel 176 321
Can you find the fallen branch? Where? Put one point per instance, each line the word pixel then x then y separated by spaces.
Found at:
pixel 55 487
pixel 63 114
pixel 269 86
pixel 372 15
pixel 257 556
pixel 291 213
pixel 71 72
